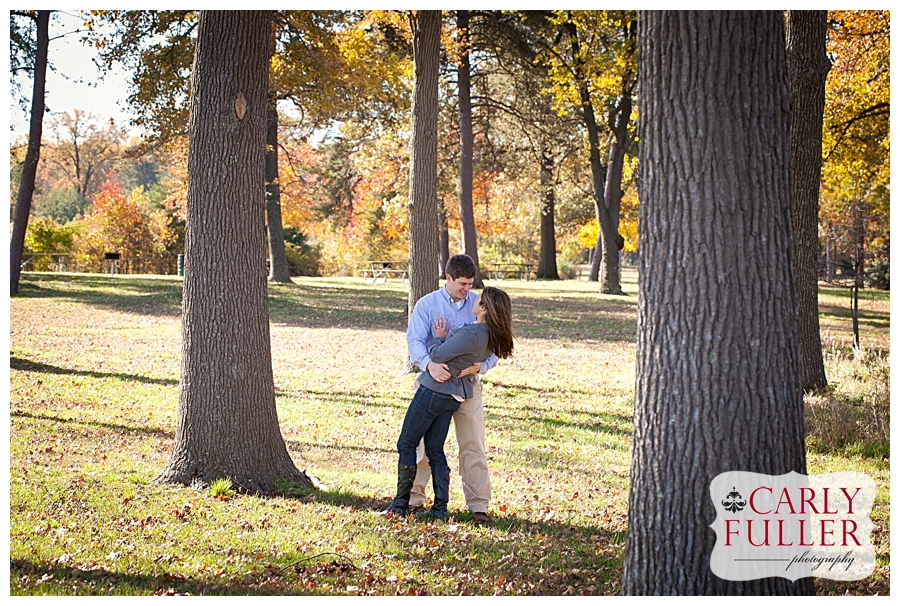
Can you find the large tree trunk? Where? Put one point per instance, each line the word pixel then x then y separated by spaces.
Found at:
pixel 466 147
pixel 547 264
pixel 718 363
pixel 32 154
pixel 423 217
pixel 227 423
pixel 808 67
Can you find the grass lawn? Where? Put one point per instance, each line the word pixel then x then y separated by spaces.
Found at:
pixel 94 366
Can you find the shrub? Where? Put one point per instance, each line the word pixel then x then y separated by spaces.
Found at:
pixel 853 415
pixel 303 259
pixel 45 235
pixel 115 223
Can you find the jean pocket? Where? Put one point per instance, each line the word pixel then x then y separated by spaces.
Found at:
pixel 440 403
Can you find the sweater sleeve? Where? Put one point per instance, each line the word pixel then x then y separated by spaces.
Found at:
pixel 458 343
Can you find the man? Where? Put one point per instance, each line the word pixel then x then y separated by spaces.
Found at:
pixel 454 302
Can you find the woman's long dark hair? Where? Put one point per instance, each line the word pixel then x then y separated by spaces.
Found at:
pixel 499 321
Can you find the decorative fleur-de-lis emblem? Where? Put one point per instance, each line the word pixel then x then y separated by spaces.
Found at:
pixel 734 502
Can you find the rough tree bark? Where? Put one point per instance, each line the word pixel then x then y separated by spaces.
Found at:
pixel 423 219
pixel 808 66
pixel 227 424
pixel 32 154
pixel 466 146
pixel 424 255
pixel 547 264
pixel 718 362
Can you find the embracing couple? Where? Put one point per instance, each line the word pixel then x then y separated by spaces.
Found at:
pixel 454 335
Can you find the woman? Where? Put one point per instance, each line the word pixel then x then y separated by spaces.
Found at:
pixel 432 407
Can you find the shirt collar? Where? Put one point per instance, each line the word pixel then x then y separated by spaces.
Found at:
pixel 456 304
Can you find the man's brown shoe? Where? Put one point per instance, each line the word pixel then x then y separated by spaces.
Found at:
pixel 480 517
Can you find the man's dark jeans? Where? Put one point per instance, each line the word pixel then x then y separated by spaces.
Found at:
pixel 429 415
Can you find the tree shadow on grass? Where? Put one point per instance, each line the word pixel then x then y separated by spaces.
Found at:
pixel 605 423
pixel 866 294
pixel 346 498
pixel 153 296
pixel 355 306
pixel 361 399
pixel 156 432
pixel 368 307
pixel 26 365
pixel 579 319
pixel 33 577
pixel 301 447
pixel 75 581
pixel 502 386
pixel 312 306
pixel 874 319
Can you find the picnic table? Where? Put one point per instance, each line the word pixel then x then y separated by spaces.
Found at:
pixel 45 261
pixel 501 271
pixel 385 269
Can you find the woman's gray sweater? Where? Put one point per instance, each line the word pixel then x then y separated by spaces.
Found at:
pixel 462 348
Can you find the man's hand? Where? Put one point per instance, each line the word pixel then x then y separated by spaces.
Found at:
pixel 470 370
pixel 438 372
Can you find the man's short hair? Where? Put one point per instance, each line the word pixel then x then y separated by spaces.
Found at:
pixel 460 266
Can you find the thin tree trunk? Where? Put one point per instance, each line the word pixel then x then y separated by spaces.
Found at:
pixel 424 253
pixel 227 425
pixel 466 147
pixel 858 279
pixel 547 269
pixel 608 238
pixel 444 239
pixel 718 364
pixel 829 258
pixel 278 265
pixel 612 241
pixel 808 66
pixel 32 154
pixel 606 181
pixel 598 171
pixel 597 251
